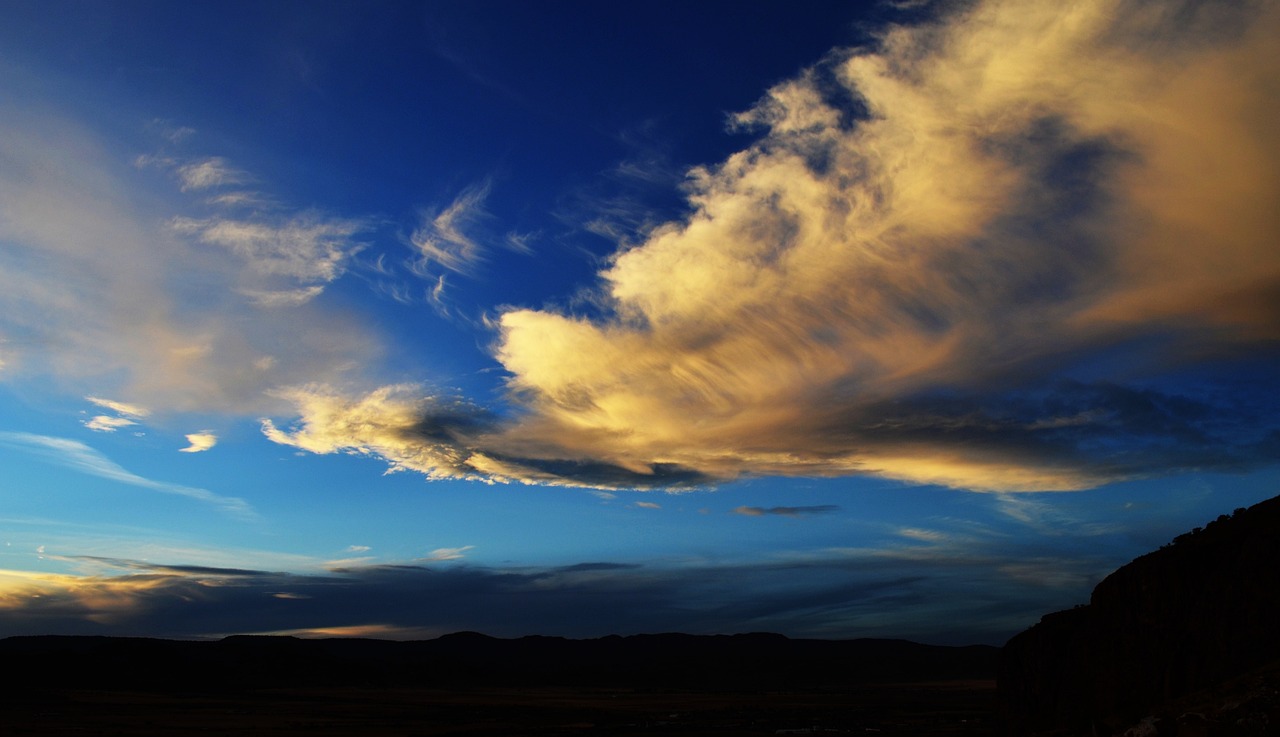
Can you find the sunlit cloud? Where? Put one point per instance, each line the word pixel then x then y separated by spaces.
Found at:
pixel 80 457
pixel 198 442
pixel 106 423
pixel 128 414
pixel 916 275
pixel 123 408
pixel 647 505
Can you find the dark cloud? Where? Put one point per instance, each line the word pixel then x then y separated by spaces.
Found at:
pixel 830 595
pixel 786 511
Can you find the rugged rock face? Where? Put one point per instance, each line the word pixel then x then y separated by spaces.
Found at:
pixel 1194 614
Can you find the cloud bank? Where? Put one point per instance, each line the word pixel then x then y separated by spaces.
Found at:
pixel 979 255
pixel 818 597
pixel 113 285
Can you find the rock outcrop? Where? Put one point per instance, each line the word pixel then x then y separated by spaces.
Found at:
pixel 1182 620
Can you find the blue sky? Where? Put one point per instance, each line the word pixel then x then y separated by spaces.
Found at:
pixel 839 320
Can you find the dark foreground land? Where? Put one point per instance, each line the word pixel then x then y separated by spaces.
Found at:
pixel 941 709
pixel 473 685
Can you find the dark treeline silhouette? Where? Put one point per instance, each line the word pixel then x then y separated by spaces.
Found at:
pixel 748 661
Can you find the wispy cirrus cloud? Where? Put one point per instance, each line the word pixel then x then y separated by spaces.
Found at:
pixel 80 457
pixel 208 173
pixel 289 261
pixel 444 239
pixel 443 554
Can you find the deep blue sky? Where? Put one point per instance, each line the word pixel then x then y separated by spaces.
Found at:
pixel 837 320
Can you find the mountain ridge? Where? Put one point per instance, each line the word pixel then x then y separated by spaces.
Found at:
pixel 741 661
pixel 1172 623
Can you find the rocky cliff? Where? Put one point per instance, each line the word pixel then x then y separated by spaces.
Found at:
pixel 1189 617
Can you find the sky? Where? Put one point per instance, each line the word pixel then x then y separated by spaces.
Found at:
pixel 833 319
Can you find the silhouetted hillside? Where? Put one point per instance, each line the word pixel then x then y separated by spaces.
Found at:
pixel 751 661
pixel 1173 624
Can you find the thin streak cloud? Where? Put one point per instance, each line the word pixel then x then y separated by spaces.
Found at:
pixel 786 511
pixel 80 457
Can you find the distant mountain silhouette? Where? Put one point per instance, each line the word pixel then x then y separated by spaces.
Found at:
pixel 747 661
pixel 1170 629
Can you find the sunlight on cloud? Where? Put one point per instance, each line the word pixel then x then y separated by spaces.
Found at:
pixel 198 442
pixel 1034 183
pixel 387 423
pixel 123 408
pixel 906 275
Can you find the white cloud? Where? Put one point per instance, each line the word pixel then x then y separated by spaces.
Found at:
pixel 648 505
pixel 123 408
pixel 198 442
pixel 306 248
pixel 99 290
pixel 443 554
pixel 208 173
pixel 443 238
pixel 106 423
pixel 283 298
pixel 80 457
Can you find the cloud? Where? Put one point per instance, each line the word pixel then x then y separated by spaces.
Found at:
pixel 129 415
pixel 308 249
pixel 443 554
pixel 80 457
pixel 443 437
pixel 443 239
pixel 927 246
pixel 123 408
pixel 106 423
pixel 819 594
pixel 98 289
pixel 786 511
pixel 198 442
pixel 1021 247
pixel 396 423
pixel 209 173
pixel 647 505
